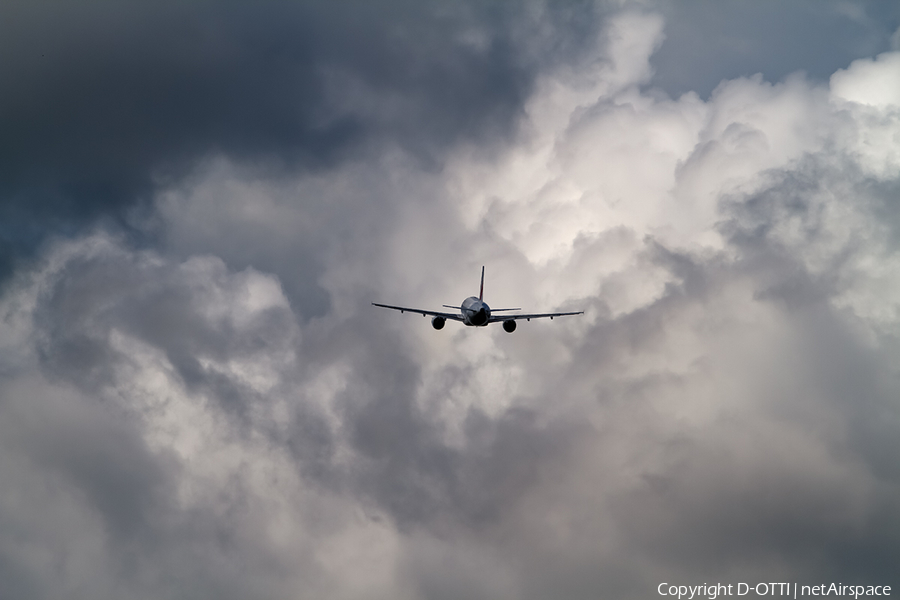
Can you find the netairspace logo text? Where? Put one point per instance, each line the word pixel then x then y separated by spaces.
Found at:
pixel 714 590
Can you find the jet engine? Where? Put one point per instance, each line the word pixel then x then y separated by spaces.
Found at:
pixel 509 326
pixel 438 322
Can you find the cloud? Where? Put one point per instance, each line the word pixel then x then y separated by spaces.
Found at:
pixel 214 407
pixel 106 101
pixel 709 42
pixel 870 82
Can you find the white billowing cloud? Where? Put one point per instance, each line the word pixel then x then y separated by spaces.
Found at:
pixel 875 82
pixel 869 90
pixel 236 419
pixel 170 361
pixel 607 161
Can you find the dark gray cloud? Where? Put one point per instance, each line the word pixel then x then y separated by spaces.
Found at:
pixel 105 99
pixel 203 403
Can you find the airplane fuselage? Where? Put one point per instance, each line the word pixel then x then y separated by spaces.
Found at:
pixel 475 312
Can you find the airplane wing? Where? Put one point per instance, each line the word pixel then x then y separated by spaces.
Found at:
pixel 499 318
pixel 419 311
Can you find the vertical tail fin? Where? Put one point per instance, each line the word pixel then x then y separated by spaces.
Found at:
pixel 481 292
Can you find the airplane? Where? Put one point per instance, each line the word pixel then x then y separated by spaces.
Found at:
pixel 474 312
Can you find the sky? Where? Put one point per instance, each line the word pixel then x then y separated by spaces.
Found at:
pixel 199 202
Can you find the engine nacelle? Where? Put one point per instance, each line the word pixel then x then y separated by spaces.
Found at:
pixel 509 326
pixel 438 322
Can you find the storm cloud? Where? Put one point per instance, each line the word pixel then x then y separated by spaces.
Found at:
pixel 197 398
